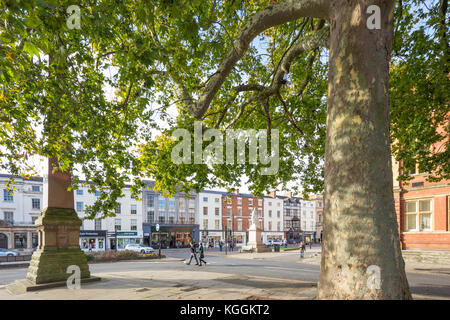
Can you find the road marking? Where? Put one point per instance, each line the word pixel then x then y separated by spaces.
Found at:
pixel 296 269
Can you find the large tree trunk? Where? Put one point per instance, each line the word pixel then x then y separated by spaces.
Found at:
pixel 360 228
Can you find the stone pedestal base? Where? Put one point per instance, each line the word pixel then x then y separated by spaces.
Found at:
pixel 254 236
pixel 58 230
pixel 24 285
pixel 51 265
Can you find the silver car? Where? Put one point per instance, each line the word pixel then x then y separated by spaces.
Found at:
pixel 139 248
pixel 8 253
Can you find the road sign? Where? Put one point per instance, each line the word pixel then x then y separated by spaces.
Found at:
pixel 157 227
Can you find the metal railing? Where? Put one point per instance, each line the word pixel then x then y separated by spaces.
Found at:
pixel 15 258
pixel 20 223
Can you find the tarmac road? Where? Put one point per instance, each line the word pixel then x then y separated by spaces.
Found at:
pixel 285 266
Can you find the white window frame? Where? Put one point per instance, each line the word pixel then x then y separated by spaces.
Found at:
pixel 418 213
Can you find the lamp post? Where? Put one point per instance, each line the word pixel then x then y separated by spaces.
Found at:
pixel 232 231
pixel 159 237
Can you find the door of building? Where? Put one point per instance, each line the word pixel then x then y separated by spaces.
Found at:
pixel 3 241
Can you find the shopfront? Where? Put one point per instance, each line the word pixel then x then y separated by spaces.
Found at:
pixel 272 236
pixel 93 240
pixel 127 237
pixel 211 238
pixel 170 236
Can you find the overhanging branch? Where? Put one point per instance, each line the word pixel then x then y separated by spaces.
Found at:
pixel 271 16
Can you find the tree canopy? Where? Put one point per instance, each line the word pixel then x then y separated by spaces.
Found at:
pixel 191 55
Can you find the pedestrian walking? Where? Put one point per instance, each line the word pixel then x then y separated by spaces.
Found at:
pixel 285 243
pixel 202 254
pixel 302 249
pixel 310 244
pixel 193 253
pixel 220 245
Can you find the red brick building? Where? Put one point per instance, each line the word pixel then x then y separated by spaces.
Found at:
pixel 423 211
pixel 237 212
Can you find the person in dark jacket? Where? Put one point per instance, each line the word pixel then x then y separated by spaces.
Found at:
pixel 201 251
pixel 193 253
pixel 302 249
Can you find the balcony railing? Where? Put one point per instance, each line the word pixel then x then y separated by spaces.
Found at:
pixel 20 223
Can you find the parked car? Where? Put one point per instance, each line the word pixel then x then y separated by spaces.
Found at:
pixel 139 248
pixel 277 242
pixel 8 253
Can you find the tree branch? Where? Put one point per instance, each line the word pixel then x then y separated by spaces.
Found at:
pixel 291 119
pixel 271 16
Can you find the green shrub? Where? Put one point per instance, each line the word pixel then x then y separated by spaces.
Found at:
pixel 89 257
pixel 111 255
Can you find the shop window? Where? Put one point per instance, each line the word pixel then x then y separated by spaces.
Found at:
pixel 92 244
pixel 34 239
pixel 20 240
pixel 101 243
pixel 85 244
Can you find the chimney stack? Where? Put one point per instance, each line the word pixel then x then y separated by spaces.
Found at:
pixel 288 194
pixel 236 192
pixel 273 194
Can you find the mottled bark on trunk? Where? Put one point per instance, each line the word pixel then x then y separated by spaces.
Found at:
pixel 360 227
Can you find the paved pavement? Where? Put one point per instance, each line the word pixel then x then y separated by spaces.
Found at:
pixel 234 276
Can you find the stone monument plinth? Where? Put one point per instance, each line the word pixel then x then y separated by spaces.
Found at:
pixel 58 229
pixel 254 236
